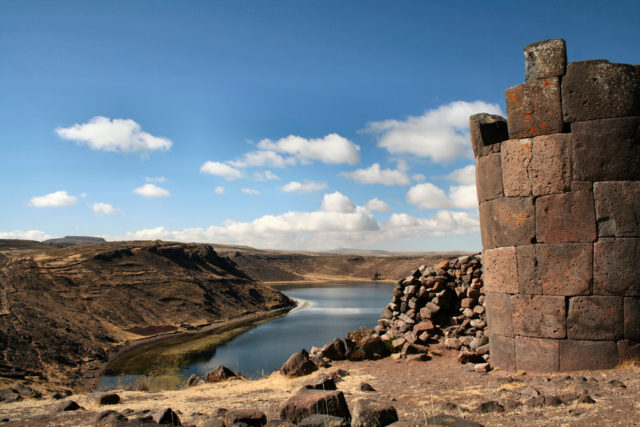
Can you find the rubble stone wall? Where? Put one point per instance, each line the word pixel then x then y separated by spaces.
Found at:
pixel 559 192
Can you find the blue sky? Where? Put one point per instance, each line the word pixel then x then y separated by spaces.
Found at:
pixel 276 124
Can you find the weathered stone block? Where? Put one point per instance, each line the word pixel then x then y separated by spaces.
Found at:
pixel 499 313
pixel 539 316
pixel 595 318
pixel 632 318
pixel 565 268
pixel 489 177
pixel 600 90
pixel 534 108
pixel 502 351
pixel 507 221
pixel 516 158
pixel 617 208
pixel 606 150
pixel 487 132
pixel 550 168
pixel 579 355
pixel 565 218
pixel 536 354
pixel 547 58
pixel 613 262
pixel 528 282
pixel 500 270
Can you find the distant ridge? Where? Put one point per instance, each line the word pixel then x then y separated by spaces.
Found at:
pixel 63 242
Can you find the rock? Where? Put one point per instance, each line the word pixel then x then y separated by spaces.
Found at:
pixel 478 323
pixel 323 383
pixel 398 343
pixel 337 350
pixel 366 387
pixel 67 405
pixel 490 406
pixel 510 404
pixel 28 392
pixel 167 416
pixel 195 380
pixel 279 423
pixel 617 383
pixel 535 401
pixel 585 398
pixel 251 417
pixel 386 313
pixel 552 401
pixel 61 394
pixel 108 399
pixel 322 420
pixel 467 356
pixel 9 395
pixel 453 343
pixel 450 421
pixel 298 365
pixel 221 373
pixel 487 132
pixel 366 413
pixel 312 402
pixel 482 368
pixel 109 418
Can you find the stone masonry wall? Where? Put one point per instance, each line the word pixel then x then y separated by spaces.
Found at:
pixel 559 192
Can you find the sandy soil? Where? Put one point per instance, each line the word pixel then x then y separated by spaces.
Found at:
pixel 417 389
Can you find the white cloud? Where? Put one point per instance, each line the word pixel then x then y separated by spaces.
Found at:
pixel 442 223
pixel 151 190
pixel 418 177
pixel 220 169
pixel 306 187
pixel 441 134
pixel 156 179
pixel 266 176
pixel 117 135
pixel 428 196
pixel 465 175
pixel 58 198
pixel 337 202
pixel 374 175
pixel 103 208
pixel 25 235
pixel 250 191
pixel 219 190
pixel 377 205
pixel 263 158
pixel 333 148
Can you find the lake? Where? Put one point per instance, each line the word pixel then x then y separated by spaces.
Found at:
pixel 325 312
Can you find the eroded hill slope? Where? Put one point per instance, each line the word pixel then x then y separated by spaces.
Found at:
pixel 63 310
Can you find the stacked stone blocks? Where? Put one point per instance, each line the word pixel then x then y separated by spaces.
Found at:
pixel 559 192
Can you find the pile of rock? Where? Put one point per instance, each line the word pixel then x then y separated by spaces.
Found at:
pixel 443 303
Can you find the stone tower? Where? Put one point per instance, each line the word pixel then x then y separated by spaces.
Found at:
pixel 559 192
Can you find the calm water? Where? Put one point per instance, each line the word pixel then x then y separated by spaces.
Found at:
pixel 330 311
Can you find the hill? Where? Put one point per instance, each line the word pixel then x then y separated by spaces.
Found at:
pixel 64 310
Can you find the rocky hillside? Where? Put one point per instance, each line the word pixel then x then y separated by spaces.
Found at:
pixel 63 310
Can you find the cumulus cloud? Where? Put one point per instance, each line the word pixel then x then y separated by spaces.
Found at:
pixel 266 176
pixel 303 187
pixel 219 190
pixel 117 135
pixel 25 235
pixel 103 208
pixel 55 199
pixel 418 177
pixel 250 191
pixel 220 169
pixel 441 134
pixel 337 202
pixel 263 158
pixel 428 196
pixel 465 175
pixel 156 179
pixel 442 223
pixel 375 175
pixel 151 190
pixel 333 149
pixel 377 205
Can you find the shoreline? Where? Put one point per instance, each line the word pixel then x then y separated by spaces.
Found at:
pixel 321 282
pixel 91 384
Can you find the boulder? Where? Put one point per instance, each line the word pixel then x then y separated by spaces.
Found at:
pixel 321 420
pixel 109 418
pixel 368 413
pixel 27 392
pixel 195 380
pixel 311 402
pixel 336 349
pixel 167 416
pixel 67 405
pixel 298 365
pixel 251 417
pixel 221 373
pixel 324 382
pixel 9 395
pixel 108 399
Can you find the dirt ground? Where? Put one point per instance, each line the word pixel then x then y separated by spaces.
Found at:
pixel 417 389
